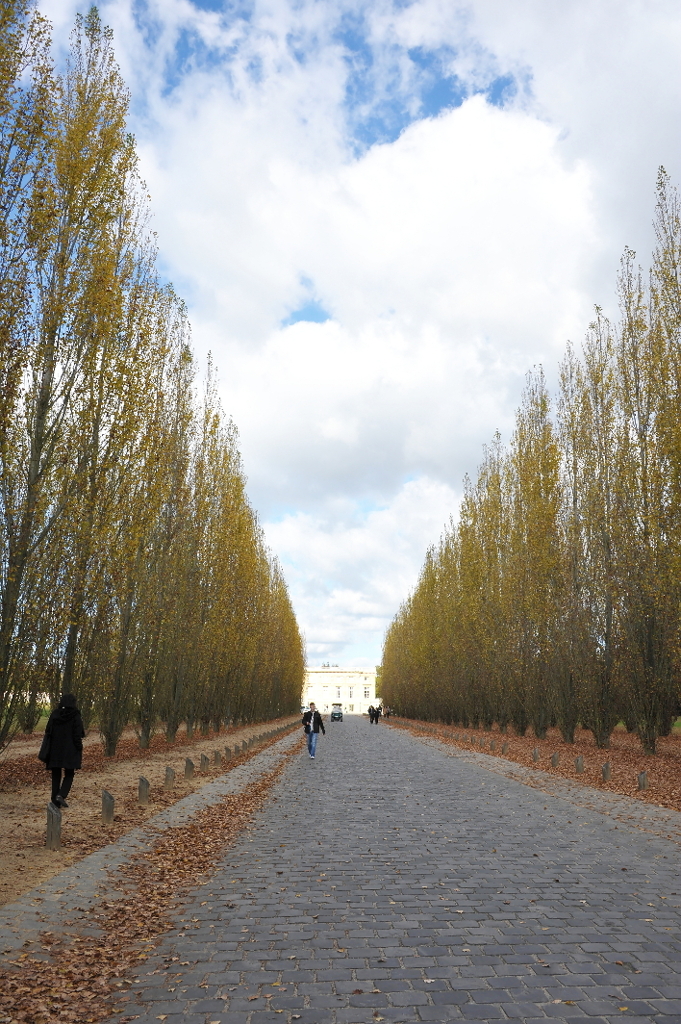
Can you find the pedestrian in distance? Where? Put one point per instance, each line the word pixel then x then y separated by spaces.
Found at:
pixel 312 723
pixel 372 711
pixel 377 714
pixel 62 747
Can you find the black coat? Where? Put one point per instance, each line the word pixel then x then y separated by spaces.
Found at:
pixel 317 723
pixel 62 746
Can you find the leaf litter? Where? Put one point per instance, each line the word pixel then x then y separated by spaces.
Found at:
pixel 77 977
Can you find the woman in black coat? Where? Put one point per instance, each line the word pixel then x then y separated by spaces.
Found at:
pixel 62 747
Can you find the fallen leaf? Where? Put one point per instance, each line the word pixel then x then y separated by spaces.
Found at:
pixel 622 1007
pixel 251 998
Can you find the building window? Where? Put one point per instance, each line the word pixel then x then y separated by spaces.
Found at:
pixel 350 692
pixel 338 692
pixel 367 692
pixel 351 707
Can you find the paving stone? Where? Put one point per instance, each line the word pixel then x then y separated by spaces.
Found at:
pixel 443 831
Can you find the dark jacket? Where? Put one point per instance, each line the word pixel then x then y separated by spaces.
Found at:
pixel 317 724
pixel 62 746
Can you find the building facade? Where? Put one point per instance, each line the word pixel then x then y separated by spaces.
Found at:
pixel 353 688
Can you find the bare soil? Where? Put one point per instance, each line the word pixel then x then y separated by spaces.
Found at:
pixel 25 792
pixel 625 756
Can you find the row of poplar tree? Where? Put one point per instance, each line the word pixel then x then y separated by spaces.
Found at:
pixel 132 567
pixel 555 598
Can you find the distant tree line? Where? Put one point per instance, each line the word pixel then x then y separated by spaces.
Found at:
pixel 555 598
pixel 133 571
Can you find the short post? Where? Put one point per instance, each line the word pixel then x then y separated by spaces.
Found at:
pixel 108 804
pixel 205 763
pixel 143 791
pixel 555 760
pixel 228 753
pixel 535 753
pixel 605 772
pixel 169 779
pixel 188 768
pixel 504 748
pixel 643 780
pixel 53 836
pixel 579 764
pixel 217 757
pixel 493 745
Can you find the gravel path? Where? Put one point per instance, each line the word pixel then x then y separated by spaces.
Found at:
pixel 399 880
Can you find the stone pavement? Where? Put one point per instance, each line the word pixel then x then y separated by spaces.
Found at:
pixel 390 879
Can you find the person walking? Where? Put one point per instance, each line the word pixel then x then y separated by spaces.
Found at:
pixel 372 711
pixel 62 747
pixel 312 723
pixel 377 714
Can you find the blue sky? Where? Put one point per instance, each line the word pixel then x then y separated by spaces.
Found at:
pixel 382 215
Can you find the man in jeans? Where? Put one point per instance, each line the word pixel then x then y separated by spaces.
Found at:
pixel 312 722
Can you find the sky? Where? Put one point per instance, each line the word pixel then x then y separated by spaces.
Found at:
pixel 382 215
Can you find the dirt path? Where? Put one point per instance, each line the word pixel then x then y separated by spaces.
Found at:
pixel 24 794
pixel 624 755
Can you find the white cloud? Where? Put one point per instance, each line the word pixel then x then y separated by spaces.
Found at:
pixel 348 570
pixel 451 259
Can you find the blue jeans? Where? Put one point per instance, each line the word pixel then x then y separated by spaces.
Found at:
pixel 312 742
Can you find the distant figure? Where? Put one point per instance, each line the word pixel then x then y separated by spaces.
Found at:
pixel 62 747
pixel 312 723
pixel 377 713
pixel 372 711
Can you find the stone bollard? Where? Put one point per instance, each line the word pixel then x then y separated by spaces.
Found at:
pixel 169 779
pixel 108 804
pixel 555 760
pixel 143 791
pixel 643 780
pixel 217 757
pixel 53 835
pixel 493 745
pixel 188 768
pixel 205 763
pixel 228 753
pixel 579 764
pixel 504 748
pixel 605 772
pixel 535 754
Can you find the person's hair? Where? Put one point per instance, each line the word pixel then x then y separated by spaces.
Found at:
pixel 67 700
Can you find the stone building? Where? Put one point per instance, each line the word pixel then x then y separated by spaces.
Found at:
pixel 353 688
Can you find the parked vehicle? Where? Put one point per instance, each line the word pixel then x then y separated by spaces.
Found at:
pixel 336 712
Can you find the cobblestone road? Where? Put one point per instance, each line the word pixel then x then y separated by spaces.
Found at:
pixel 386 880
